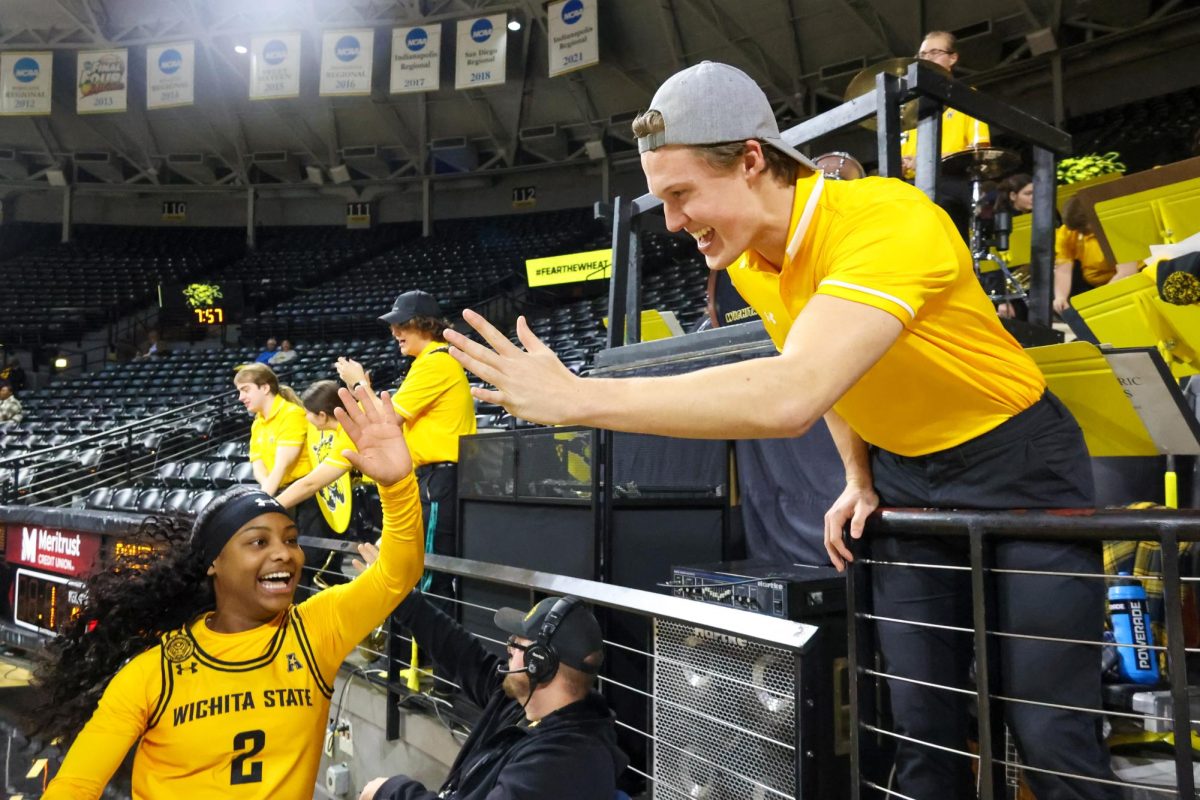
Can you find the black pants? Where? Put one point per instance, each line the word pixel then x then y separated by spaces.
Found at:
pixel 438 485
pixel 1036 459
pixel 318 561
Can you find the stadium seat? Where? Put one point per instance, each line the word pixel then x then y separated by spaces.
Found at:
pixel 98 498
pixel 124 499
pixel 150 500
pixel 175 500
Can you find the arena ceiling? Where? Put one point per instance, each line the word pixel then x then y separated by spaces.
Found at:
pixel 803 53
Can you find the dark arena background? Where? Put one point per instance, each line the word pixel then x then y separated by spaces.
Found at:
pixel 188 187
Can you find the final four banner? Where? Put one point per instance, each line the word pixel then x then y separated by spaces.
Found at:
pixel 481 53
pixel 416 57
pixel 574 41
pixel 170 75
pixel 25 83
pixel 346 62
pixel 102 81
pixel 275 66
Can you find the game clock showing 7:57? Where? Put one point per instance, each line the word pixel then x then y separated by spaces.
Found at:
pixel 203 304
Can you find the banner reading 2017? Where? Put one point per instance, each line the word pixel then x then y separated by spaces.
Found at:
pixel 416 56
pixel 481 53
pixel 574 42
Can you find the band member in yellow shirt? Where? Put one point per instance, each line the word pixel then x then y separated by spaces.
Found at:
pixel 195 652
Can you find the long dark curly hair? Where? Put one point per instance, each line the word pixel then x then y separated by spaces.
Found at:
pixel 157 584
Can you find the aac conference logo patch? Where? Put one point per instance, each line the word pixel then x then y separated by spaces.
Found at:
pixel 572 11
pixel 416 40
pixel 170 61
pixel 275 52
pixel 347 48
pixel 26 69
pixel 481 31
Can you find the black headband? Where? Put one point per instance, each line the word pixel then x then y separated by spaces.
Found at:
pixel 219 528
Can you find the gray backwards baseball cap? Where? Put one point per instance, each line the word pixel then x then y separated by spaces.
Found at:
pixel 712 103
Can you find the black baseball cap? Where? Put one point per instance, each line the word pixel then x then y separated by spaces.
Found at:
pixel 412 304
pixel 576 637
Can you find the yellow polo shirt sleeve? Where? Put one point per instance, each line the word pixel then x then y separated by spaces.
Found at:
pixel 894 257
pixel 425 383
pixel 1065 244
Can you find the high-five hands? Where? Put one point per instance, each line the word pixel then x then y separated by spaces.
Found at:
pixel 375 430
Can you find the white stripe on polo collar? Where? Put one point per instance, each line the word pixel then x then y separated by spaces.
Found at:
pixel 806 217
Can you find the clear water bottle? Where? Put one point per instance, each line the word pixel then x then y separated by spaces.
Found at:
pixel 1130 615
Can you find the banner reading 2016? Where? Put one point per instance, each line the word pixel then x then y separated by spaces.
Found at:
pixel 275 66
pixel 482 47
pixel 102 81
pixel 574 42
pixel 346 62
pixel 416 56
pixel 170 75
pixel 25 83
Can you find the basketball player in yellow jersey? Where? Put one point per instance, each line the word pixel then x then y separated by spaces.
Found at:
pixel 231 698
pixel 931 403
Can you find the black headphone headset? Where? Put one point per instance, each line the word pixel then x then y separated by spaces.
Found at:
pixel 541 659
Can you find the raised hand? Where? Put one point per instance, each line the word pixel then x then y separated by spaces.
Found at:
pixel 531 383
pixel 375 430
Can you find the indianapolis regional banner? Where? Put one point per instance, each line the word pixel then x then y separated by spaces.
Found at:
pixel 275 66
pixel 416 56
pixel 482 48
pixel 25 83
pixel 574 41
pixel 102 81
pixel 346 62
pixel 170 75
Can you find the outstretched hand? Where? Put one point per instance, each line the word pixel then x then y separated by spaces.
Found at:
pixel 531 383
pixel 375 430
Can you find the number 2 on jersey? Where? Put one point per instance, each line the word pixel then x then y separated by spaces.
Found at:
pixel 243 770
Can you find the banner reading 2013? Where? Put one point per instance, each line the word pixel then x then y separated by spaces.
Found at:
pixel 275 66
pixel 346 62
pixel 25 83
pixel 102 81
pixel 170 75
pixel 482 47
pixel 574 42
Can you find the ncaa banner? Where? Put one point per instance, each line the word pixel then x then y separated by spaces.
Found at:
pixel 574 41
pixel 416 58
pixel 275 66
pixel 170 75
pixel 482 48
pixel 25 83
pixel 346 62
pixel 102 81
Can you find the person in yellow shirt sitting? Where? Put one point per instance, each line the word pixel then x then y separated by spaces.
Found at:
pixel 279 430
pixel 194 652
pixel 1079 262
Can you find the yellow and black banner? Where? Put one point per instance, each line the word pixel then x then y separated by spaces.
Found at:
pixel 593 265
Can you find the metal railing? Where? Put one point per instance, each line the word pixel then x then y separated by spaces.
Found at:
pixel 982 531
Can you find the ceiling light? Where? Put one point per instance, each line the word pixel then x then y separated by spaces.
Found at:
pixel 514 24
pixel 241 49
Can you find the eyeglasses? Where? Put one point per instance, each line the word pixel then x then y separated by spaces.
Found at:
pixel 934 51
pixel 513 644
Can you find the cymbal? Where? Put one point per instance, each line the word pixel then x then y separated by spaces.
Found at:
pixel 864 82
pixel 982 163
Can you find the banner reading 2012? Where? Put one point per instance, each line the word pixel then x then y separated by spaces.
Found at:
pixel 482 47
pixel 346 62
pixel 25 83
pixel 170 75
pixel 275 66
pixel 102 81
pixel 574 42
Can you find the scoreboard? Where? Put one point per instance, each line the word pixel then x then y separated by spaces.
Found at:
pixel 202 304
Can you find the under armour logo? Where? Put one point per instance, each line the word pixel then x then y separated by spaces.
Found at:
pixel 292 662
pixel 265 502
pixel 192 666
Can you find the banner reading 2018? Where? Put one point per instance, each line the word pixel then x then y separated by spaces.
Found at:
pixel 170 75
pixel 346 62
pixel 275 66
pixel 574 41
pixel 481 53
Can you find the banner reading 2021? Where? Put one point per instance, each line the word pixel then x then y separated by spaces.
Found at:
pixel 480 57
pixel 25 83
pixel 574 41
pixel 346 62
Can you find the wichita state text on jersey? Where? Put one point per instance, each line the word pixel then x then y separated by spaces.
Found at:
pixel 242 715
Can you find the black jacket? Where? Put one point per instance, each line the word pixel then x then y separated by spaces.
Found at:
pixel 571 754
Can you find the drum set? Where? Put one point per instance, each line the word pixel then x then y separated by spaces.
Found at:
pixel 977 164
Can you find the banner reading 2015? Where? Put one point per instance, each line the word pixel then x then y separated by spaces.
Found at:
pixel 170 75
pixel 346 62
pixel 482 47
pixel 574 42
pixel 25 83
pixel 275 66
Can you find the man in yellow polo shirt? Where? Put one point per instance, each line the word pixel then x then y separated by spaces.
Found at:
pixel 890 338
pixel 435 403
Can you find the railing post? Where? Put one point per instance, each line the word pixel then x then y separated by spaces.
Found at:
pixel 1177 663
pixel 858 651
pixel 392 720
pixel 991 780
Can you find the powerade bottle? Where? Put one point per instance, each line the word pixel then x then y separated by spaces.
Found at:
pixel 1130 617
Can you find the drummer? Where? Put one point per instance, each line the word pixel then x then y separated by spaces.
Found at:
pixel 959 132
